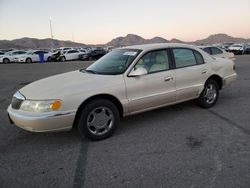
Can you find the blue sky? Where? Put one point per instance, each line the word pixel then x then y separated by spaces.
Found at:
pixel 97 21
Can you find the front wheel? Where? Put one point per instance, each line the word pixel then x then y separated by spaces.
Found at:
pixel 6 60
pixel 209 95
pixel 63 59
pixel 49 59
pixel 98 119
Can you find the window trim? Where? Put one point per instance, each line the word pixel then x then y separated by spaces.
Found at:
pixel 173 58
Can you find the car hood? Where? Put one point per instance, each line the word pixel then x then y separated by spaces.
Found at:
pixel 62 85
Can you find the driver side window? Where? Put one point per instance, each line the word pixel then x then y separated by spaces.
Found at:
pixel 155 61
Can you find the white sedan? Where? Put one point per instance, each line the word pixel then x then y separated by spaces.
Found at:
pixel 237 49
pixel 71 55
pixel 10 56
pixel 124 82
pixel 217 52
pixel 33 56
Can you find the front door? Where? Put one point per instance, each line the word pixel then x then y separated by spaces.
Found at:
pixel 154 89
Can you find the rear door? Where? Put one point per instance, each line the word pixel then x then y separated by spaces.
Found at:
pixel 190 73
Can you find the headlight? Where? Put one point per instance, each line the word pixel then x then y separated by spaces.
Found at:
pixel 40 106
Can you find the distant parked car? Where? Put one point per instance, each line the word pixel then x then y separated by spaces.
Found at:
pixel 10 56
pixel 70 55
pixel 55 56
pixel 33 56
pixel 247 49
pixel 226 45
pixel 93 54
pixel 217 52
pixel 237 49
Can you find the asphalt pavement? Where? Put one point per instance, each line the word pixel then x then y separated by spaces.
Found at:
pixel 177 146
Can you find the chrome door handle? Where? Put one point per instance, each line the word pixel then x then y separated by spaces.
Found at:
pixel 204 72
pixel 168 79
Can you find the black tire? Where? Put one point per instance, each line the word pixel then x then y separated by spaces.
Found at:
pixel 207 100
pixel 63 59
pixel 91 58
pixel 105 113
pixel 6 60
pixel 49 59
pixel 28 60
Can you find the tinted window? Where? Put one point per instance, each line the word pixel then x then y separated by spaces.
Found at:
pixel 38 52
pixel 216 51
pixel 184 57
pixel 207 50
pixel 154 61
pixel 71 51
pixel 198 57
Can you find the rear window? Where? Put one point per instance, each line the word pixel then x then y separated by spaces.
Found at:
pixel 198 57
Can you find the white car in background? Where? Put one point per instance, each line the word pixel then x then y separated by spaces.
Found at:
pixel 124 82
pixel 217 52
pixel 237 49
pixel 71 55
pixel 33 56
pixel 10 56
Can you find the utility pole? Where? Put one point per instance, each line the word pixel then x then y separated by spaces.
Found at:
pixel 50 24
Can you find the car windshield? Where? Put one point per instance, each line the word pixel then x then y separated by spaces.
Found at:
pixel 115 62
pixel 9 53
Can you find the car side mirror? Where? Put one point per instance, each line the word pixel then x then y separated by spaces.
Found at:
pixel 138 72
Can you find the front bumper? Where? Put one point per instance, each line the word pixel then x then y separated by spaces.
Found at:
pixel 42 122
pixel 236 52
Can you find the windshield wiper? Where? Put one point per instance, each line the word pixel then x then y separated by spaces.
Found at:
pixel 89 71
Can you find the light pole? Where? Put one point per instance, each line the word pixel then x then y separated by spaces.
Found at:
pixel 50 24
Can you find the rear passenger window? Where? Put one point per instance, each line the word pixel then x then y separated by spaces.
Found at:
pixel 207 50
pixel 184 57
pixel 198 57
pixel 216 51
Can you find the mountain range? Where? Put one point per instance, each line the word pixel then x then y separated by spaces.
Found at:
pixel 130 39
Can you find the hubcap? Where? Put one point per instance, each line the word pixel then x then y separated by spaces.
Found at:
pixel 100 120
pixel 210 93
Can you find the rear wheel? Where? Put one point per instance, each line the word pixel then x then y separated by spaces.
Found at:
pixel 98 119
pixel 6 60
pixel 209 95
pixel 49 59
pixel 28 60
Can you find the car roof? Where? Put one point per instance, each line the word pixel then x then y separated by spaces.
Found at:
pixel 158 46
